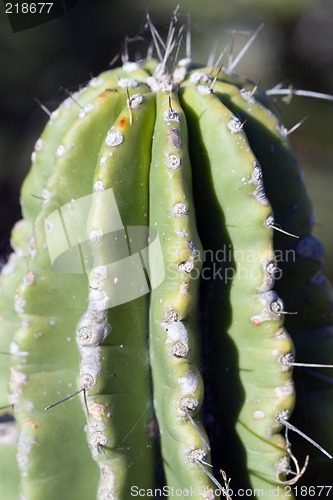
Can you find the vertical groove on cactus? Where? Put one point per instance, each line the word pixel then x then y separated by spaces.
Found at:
pixel 303 287
pixel 11 273
pixel 178 389
pixel 112 338
pixel 156 243
pixel 255 325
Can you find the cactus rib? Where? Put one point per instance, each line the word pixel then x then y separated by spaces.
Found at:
pixel 256 310
pixel 173 322
pixel 158 220
pixel 111 336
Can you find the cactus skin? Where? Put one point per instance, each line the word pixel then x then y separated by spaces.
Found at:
pixel 254 327
pixel 173 339
pixel 128 457
pixel 173 135
pixel 11 274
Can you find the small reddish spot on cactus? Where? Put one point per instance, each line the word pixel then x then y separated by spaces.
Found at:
pixel 31 423
pixel 122 122
pixel 39 144
pixel 103 96
pixel 174 138
pixel 97 409
pixel 29 278
pixel 153 429
pixel 258 414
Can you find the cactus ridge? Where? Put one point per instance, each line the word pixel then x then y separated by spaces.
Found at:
pixel 262 315
pixel 303 287
pixel 173 335
pixel 109 337
pixel 196 158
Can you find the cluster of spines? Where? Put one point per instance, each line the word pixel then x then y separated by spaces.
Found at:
pixel 240 187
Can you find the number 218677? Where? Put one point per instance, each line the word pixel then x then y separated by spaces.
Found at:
pixel 28 8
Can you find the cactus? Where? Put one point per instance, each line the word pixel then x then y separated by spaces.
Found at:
pixel 165 225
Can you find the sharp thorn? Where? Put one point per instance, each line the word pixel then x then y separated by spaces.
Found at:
pixel 71 97
pixel 42 106
pixel 295 127
pixel 303 93
pixel 295 429
pixel 65 399
pixel 202 464
pixel 198 430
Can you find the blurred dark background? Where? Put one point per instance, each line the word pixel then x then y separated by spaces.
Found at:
pixel 295 47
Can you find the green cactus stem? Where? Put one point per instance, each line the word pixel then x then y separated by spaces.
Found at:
pixel 163 282
pixel 112 338
pixel 178 388
pixel 256 323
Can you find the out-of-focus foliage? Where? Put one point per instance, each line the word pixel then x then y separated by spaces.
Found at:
pixel 296 46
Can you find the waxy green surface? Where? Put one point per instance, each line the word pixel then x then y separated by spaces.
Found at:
pixel 208 168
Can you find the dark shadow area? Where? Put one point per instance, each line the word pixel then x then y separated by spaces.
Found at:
pixel 224 393
pixel 310 329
